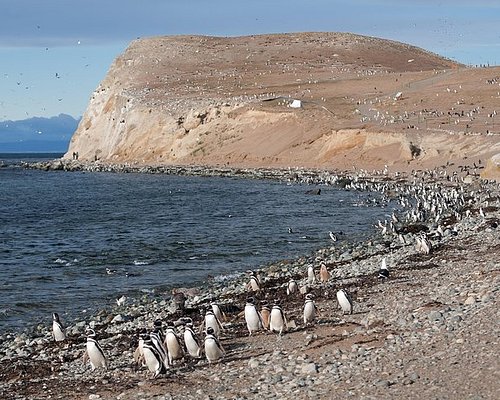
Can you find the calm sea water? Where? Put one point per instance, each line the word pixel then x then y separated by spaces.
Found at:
pixel 60 232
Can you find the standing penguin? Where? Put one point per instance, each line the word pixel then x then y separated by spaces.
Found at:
pixel 192 341
pixel 252 316
pixel 254 284
pixel 311 276
pixel 345 301
pixel 158 339
pixel 139 352
pixel 58 331
pixel 211 321
pixel 292 287
pixel 216 309
pixel 94 352
pixel 277 321
pixel 309 310
pixel 173 345
pixel 152 358
pixel 265 313
pixel 383 272
pixel 324 275
pixel 213 348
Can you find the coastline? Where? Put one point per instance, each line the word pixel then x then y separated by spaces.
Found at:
pixel 306 362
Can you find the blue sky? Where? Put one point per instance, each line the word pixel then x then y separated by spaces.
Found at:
pixel 54 53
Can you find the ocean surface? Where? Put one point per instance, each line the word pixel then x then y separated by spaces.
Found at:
pixel 74 242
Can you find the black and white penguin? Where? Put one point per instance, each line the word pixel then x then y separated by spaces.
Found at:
pixel 277 320
pixel 252 317
pixel 311 276
pixel 291 287
pixel 158 339
pixel 213 348
pixel 345 301
pixel 211 321
pixel 309 309
pixel 152 358
pixel 254 284
pixel 58 331
pixel 216 309
pixel 383 272
pixel 173 345
pixel 191 340
pixel 94 352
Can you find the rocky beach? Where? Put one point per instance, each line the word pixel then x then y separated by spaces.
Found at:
pixel 428 331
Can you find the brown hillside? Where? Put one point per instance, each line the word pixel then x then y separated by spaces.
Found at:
pixel 364 101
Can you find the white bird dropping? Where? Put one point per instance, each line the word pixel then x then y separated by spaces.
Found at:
pixel 345 301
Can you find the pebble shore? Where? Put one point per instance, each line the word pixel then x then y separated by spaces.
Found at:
pixel 429 331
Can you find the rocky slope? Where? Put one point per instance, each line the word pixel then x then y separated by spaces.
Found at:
pixel 226 101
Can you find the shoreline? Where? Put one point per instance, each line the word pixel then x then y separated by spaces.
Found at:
pixel 354 268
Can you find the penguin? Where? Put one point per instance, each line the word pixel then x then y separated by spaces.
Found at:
pixel 252 317
pixel 158 339
pixel 152 358
pixel 324 275
pixel 218 312
pixel 211 321
pixel 58 331
pixel 291 287
pixel 277 320
pixel 309 310
pixel 311 277
pixel 383 272
pixel 173 345
pixel 139 352
pixel 345 301
pixel 94 352
pixel 192 341
pixel 265 314
pixel 254 283
pixel 213 348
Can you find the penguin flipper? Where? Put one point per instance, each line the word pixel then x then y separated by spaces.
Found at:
pixel 85 357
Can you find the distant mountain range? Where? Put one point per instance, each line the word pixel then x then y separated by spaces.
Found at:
pixel 37 134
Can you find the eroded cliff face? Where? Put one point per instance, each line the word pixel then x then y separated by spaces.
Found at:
pixel 364 102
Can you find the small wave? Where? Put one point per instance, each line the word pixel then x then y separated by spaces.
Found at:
pixel 139 262
pixel 193 258
pixel 227 277
pixel 60 261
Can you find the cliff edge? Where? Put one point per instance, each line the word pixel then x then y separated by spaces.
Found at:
pixel 327 100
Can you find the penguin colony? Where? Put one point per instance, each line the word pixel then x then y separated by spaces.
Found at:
pixel 427 213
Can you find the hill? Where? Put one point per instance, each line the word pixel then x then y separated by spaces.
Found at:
pixel 37 134
pixel 364 101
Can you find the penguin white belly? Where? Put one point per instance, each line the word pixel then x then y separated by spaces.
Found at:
pixel 213 351
pixel 344 302
pixel 152 360
pixel 277 321
pixel 192 346
pixel 58 331
pixel 211 322
pixel 309 312
pixel 95 355
pixel 252 319
pixel 174 348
